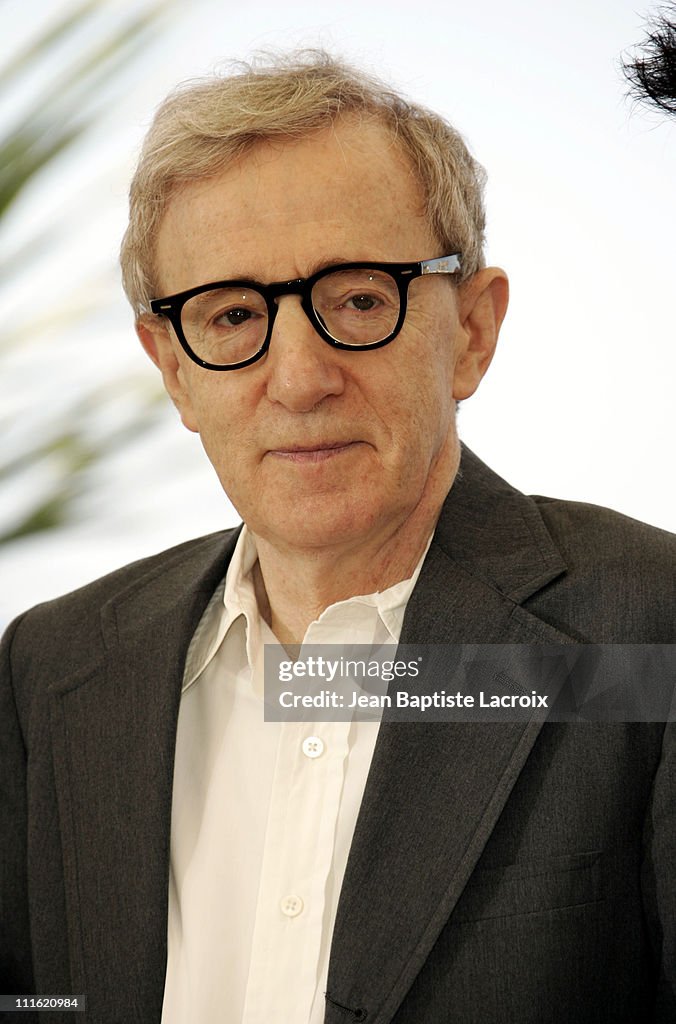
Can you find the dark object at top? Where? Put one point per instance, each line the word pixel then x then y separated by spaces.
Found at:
pixel 652 73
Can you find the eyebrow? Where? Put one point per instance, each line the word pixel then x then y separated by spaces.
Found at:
pixel 330 262
pixel 315 268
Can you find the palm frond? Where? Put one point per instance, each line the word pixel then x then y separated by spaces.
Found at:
pixel 78 62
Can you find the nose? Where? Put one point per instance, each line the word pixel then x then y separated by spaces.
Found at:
pixel 302 369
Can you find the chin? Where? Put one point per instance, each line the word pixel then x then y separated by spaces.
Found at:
pixel 313 525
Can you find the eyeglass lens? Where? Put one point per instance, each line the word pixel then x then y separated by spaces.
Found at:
pixel 229 325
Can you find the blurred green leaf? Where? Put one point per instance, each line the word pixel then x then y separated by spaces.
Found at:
pixel 56 119
pixel 45 41
pixel 71 99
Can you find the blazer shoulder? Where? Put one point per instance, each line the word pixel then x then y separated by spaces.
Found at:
pixel 591 531
pixel 69 627
pixel 115 584
pixel 620 574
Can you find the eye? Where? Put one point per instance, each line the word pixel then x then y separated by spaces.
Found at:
pixel 363 303
pixel 234 317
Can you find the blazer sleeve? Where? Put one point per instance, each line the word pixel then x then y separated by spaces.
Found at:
pixel 16 969
pixel 659 877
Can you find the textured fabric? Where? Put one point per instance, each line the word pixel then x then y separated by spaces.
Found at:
pixel 511 873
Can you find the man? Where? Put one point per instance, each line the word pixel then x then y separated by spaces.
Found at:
pixel 304 258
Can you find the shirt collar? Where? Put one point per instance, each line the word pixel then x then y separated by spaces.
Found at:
pixel 234 599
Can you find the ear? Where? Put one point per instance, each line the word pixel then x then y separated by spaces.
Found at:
pixel 482 304
pixel 158 340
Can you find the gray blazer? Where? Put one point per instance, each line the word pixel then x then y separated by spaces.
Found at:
pixel 498 873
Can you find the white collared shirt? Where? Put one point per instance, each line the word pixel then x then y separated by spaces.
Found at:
pixel 263 815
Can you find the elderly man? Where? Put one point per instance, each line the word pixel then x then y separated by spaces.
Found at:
pixel 304 259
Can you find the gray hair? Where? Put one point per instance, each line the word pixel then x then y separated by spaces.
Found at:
pixel 206 124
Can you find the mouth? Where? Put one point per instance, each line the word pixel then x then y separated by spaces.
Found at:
pixel 304 454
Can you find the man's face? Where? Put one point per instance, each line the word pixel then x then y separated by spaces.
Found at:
pixel 317 447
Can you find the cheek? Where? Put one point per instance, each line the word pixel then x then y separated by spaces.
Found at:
pixel 425 400
pixel 212 412
pixel 190 416
pixel 432 420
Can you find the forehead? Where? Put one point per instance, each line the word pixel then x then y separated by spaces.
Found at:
pixel 345 193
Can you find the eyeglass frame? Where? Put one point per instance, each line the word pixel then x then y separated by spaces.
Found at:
pixel 402 274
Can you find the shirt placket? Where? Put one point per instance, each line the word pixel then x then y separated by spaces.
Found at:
pixel 304 806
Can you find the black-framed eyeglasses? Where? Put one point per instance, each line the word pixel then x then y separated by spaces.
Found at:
pixel 226 325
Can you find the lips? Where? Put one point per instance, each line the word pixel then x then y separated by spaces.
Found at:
pixel 319 447
pixel 312 453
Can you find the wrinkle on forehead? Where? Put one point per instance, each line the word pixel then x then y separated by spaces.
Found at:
pixel 346 192
pixel 351 135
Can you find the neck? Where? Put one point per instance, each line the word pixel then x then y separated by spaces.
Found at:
pixel 294 585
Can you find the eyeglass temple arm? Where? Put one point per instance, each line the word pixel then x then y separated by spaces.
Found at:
pixel 441 265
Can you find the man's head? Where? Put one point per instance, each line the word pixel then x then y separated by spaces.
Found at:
pixel 316 445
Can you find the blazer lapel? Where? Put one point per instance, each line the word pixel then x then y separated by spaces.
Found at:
pixel 113 730
pixel 435 792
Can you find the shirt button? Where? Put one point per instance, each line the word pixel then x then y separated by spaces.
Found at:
pixel 292 906
pixel 313 746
